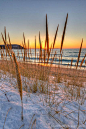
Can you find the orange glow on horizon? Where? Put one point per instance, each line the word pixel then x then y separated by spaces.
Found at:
pixel 69 43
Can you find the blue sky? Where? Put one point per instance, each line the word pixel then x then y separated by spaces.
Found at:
pixel 29 16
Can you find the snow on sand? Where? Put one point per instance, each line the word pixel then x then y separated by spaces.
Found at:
pixel 37 113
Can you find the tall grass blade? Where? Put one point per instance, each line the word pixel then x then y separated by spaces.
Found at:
pixel 35 47
pixel 63 33
pixel 55 36
pixel 28 48
pixel 5 33
pixel 44 56
pixel 47 38
pixel 4 40
pixel 9 41
pixel 40 46
pixel 18 81
pixel 82 61
pixel 79 54
pixel 24 47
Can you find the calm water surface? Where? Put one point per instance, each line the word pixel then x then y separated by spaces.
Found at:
pixel 68 54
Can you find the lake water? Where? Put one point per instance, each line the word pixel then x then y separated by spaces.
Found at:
pixel 68 54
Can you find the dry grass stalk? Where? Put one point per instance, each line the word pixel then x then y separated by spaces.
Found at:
pixel 47 36
pixel 9 41
pixel 45 43
pixel 4 40
pixel 24 41
pixel 53 58
pixel 63 33
pixel 5 33
pixel 79 54
pixel 28 48
pixel 71 62
pixel 17 71
pixel 1 54
pixel 40 47
pixel 5 43
pixel 34 123
pixel 6 116
pixel 82 61
pixel 21 126
pixel 85 62
pixel 35 47
pixel 50 48
pixel 18 76
pixel 44 56
pixel 24 53
pixel 55 36
pixel 53 43
pixel 61 58
pixel 24 47
pixel 48 56
pixel 18 81
pixel 31 120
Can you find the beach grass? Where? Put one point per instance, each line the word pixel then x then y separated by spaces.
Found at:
pixel 47 79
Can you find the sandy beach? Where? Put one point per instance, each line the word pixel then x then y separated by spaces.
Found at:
pixel 33 70
pixel 54 104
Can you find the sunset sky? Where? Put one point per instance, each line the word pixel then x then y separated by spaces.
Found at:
pixel 29 16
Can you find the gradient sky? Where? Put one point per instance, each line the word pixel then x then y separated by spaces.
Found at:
pixel 29 16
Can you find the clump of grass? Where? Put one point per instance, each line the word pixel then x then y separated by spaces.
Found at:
pixel 59 78
pixel 42 87
pixel 17 71
pixel 35 87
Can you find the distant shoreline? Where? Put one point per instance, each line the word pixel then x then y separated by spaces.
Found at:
pixel 14 46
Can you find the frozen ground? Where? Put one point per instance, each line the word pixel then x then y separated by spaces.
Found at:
pixel 40 111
